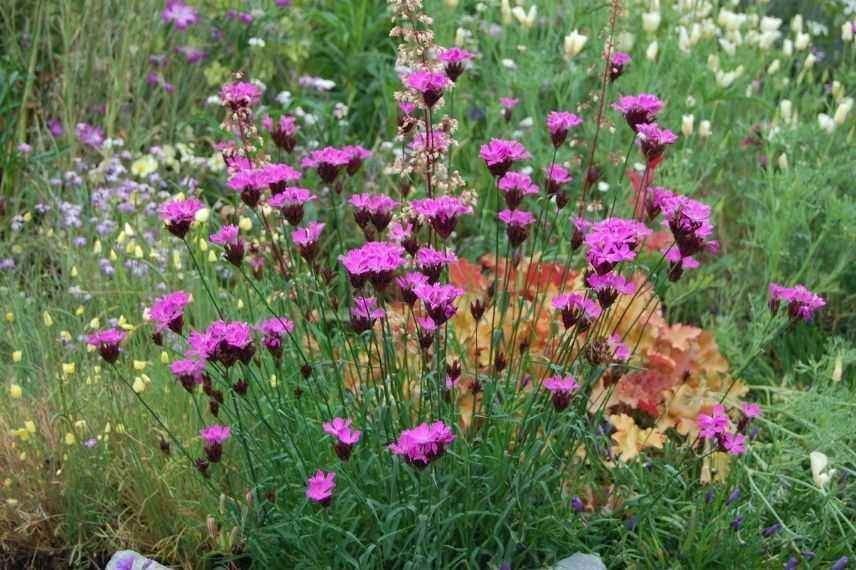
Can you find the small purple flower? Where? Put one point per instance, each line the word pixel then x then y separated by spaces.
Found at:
pixel 328 161
pixel 802 303
pixel 429 84
pixel 559 123
pixel 89 135
pixel 499 155
pixel 273 331
pixel 291 202
pixel 320 487
pixel 455 58
pixel 55 127
pixel 769 531
pixel 514 186
pixel 283 131
pixel 214 437
pixel 442 212
pixel 640 109
pixel 306 240
pixel 189 373
pixel 364 313
pixel 179 14
pixel 439 300
pixel 557 176
pixel 107 343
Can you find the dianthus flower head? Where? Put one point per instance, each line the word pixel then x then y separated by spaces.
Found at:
pixel 802 303
pixel 752 410
pixel 190 373
pixel 439 300
pixel 557 176
pixel 514 186
pixel 508 103
pixel 499 155
pixel 364 313
pixel 283 131
pixel 375 261
pixel 273 331
pixel 179 14
pixel 620 351
pixel 107 343
pixel 576 310
pixel 713 424
pixel 346 437
pixel 617 64
pixel 226 235
pixel 408 283
pixel 612 241
pixel 278 176
pixel 223 342
pixel 306 240
pixel 734 443
pixel 429 84
pixel 356 156
pixel 177 215
pixel 423 444
pixel 320 487
pixel 561 390
pixel 689 221
pixel 215 434
pixel 679 263
pixel 454 59
pixel 442 212
pixel 374 208
pixel 328 161
pixel 654 140
pixel 240 94
pixel 290 202
pixel 608 286
pixel 431 262
pixel 168 311
pixel 517 225
pixel 559 123
pixel 639 109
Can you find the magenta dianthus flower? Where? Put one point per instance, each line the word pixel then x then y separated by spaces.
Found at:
pixel 306 240
pixel 356 156
pixel 517 224
pixel 346 437
pixel 233 246
pixel 320 487
pixel 442 212
pixel 290 202
pixel 374 261
pixel 640 109
pixel 689 221
pixel 179 14
pixel 654 140
pixel 612 241
pixel 408 283
pixel 107 343
pixel 576 310
pixel 802 303
pixel 429 84
pixel 557 176
pixel 273 331
pixel 374 208
pixel 179 214
pixel 283 131
pixel 499 155
pixel 608 286
pixel 364 313
pixel 168 312
pixel 431 262
pixel 214 437
pixel 328 161
pixel 278 176
pixel 679 263
pixel 616 66
pixel 559 123
pixel 89 134
pixel 620 351
pixel 223 342
pixel 561 390
pixel 423 444
pixel 734 443
pixel 514 186
pixel 190 373
pixel 240 94
pixel 716 423
pixel 454 58
pixel 439 300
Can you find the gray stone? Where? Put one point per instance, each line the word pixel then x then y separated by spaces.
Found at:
pixel 130 560
pixel 580 561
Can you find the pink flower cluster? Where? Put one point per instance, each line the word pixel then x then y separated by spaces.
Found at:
pixel 576 310
pixel 612 241
pixel 168 311
pixel 179 214
pixel 423 444
pixel 290 202
pixel 306 240
pixel 107 343
pixel 499 155
pixel 717 425
pixel 374 208
pixel 439 300
pixel 223 342
pixel 561 390
pixel 802 303
pixel 328 162
pixel 374 261
pixel 442 212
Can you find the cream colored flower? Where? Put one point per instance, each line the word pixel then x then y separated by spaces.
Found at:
pixel 820 471
pixel 574 44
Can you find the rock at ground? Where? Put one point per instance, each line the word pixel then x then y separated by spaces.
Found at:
pixel 130 560
pixel 580 561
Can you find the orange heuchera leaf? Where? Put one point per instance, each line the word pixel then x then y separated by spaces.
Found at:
pixel 468 276
pixel 630 440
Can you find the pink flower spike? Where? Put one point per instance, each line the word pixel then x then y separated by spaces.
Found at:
pixel 320 487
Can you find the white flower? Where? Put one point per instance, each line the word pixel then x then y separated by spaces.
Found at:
pixel 847 31
pixel 508 63
pixel 505 10
pixel 786 109
pixel 802 41
pixel 687 125
pixel 767 39
pixel 713 62
pixel 820 471
pixel 704 129
pixel 283 98
pixel 625 41
pixel 727 46
pixel 843 111
pixel 256 42
pixel 574 44
pixel 527 123
pixel 788 48
pixel 461 36
pixel 783 161
pixel 651 52
pixel 527 20
pixel 826 122
pixel 651 21
pixel 810 60
pixel 769 24
pixel 774 67
pixel 797 23
pixel 727 79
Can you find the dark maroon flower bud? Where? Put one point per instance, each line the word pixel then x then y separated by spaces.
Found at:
pixel 251 196
pixel 234 253
pixel 477 309
pixel 214 452
pixel 499 362
pixel 164 446
pixel 453 370
pixel 157 338
pixel 298 392
pixel 214 407
pixel 561 200
pixel 240 387
pixel 202 467
pixel 306 371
